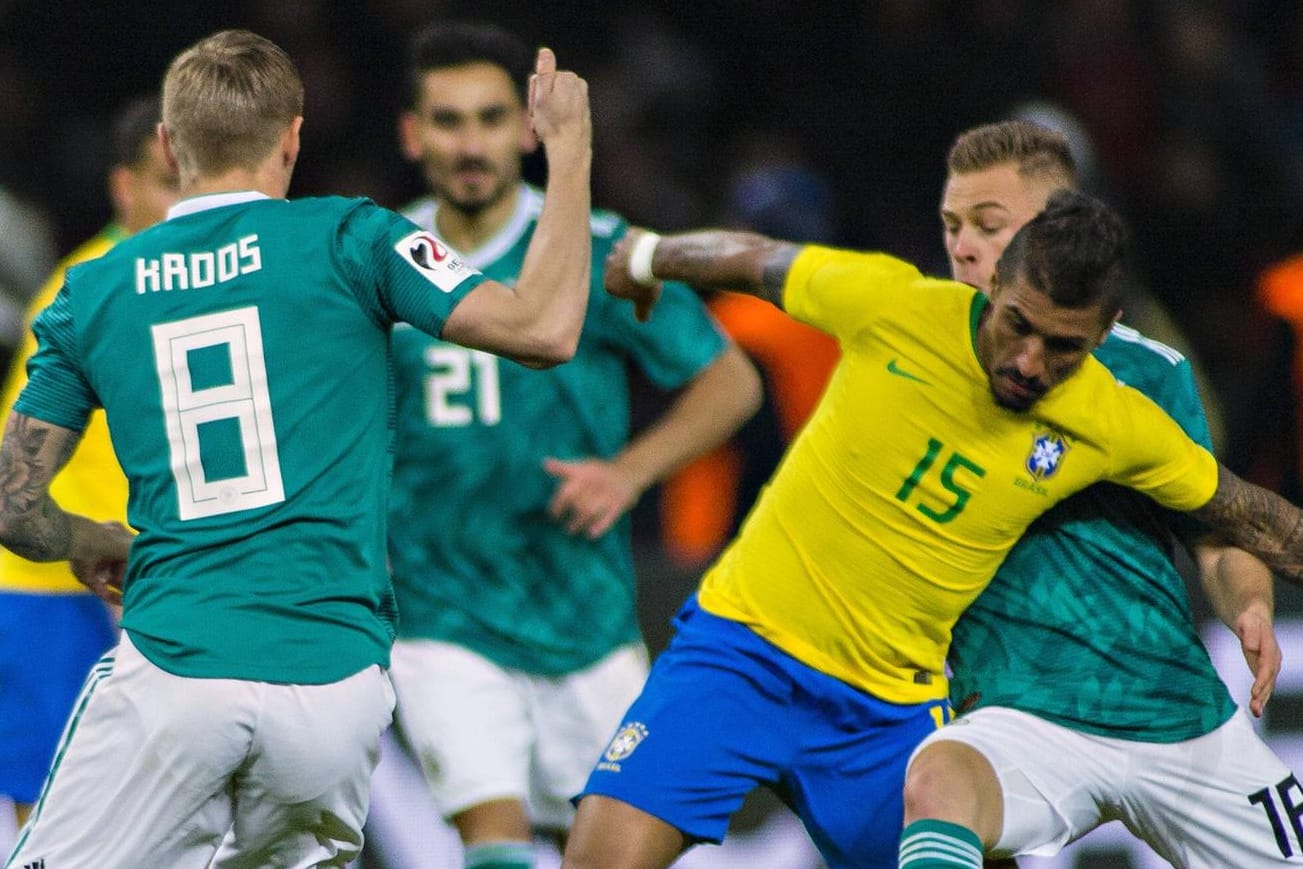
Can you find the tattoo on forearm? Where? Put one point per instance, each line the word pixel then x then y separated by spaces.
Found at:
pixel 20 465
pixel 728 260
pixel 46 536
pixel 1258 521
pixel 35 527
pixel 707 259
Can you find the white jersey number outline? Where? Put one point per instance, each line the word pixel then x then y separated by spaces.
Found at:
pixel 246 399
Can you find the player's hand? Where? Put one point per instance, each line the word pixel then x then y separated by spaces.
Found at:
pixel 558 104
pixel 591 496
pixel 101 560
pixel 1262 654
pixel 620 283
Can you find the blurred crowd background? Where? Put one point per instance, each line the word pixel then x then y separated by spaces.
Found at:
pixel 821 120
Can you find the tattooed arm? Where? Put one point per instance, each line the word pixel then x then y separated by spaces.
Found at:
pixel 33 526
pixel 711 259
pixel 1258 521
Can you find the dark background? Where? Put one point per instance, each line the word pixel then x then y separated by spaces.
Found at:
pixel 812 120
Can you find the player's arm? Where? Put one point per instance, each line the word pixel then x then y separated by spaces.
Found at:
pixel 711 259
pixel 1257 520
pixel 33 526
pixel 593 494
pixel 1240 589
pixel 537 322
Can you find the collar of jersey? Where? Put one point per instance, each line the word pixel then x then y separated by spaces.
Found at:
pixel 196 204
pixel 528 206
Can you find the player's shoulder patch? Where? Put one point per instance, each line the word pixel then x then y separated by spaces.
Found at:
pixel 433 260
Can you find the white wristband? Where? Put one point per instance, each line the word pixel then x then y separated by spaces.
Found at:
pixel 640 258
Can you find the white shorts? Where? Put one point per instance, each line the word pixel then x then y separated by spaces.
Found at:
pixel 483 733
pixel 157 768
pixel 1221 800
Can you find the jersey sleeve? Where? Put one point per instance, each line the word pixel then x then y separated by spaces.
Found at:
pixel 402 272
pixel 841 292
pixel 57 391
pixel 1154 455
pixel 676 344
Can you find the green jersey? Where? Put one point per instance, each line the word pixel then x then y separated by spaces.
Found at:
pixel 476 559
pixel 1087 623
pixel 240 350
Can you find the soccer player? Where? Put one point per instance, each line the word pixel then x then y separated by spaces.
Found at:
pixel 1081 659
pixel 518 646
pixel 812 658
pixel 240 350
pixel 41 682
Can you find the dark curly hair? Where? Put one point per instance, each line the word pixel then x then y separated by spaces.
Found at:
pixel 1074 251
pixel 457 43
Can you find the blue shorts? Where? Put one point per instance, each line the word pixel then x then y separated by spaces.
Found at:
pixel 725 710
pixel 48 643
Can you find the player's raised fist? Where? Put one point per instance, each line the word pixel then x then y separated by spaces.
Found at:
pixel 545 62
pixel 558 103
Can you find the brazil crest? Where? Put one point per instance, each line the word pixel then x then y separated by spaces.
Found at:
pixel 1047 452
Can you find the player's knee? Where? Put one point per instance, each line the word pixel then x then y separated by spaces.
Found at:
pixel 585 845
pixel 504 820
pixel 610 834
pixel 935 783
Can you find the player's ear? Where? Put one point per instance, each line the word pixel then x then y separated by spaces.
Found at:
pixel 1108 327
pixel 165 138
pixel 290 142
pixel 409 135
pixel 121 192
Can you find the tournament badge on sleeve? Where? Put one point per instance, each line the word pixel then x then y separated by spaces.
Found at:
pixel 439 264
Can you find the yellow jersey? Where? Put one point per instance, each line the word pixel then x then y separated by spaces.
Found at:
pixel 92 483
pixel 898 501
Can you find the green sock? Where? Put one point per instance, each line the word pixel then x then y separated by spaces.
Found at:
pixel 499 855
pixel 932 844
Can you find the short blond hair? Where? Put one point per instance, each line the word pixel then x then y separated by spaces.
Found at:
pixel 1038 151
pixel 226 101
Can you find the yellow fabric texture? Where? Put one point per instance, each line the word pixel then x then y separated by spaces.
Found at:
pixel 92 483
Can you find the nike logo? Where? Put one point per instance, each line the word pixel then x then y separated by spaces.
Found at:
pixel 900 372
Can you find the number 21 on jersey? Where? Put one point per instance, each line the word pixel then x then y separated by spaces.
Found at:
pixel 462 387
